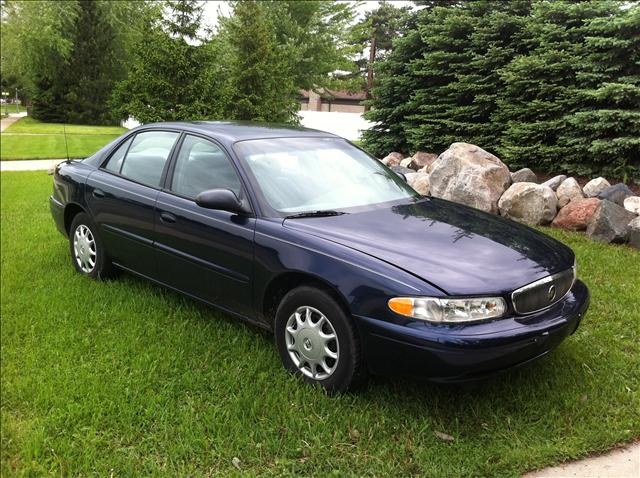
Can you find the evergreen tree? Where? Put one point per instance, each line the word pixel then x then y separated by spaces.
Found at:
pixel 168 73
pixel 92 67
pixel 375 33
pixel 395 85
pixel 262 88
pixel 604 134
pixel 447 67
pixel 540 87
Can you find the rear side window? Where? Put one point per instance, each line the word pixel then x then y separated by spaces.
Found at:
pixel 202 165
pixel 115 162
pixel 145 158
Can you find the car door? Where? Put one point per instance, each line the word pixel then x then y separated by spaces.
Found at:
pixel 204 252
pixel 121 197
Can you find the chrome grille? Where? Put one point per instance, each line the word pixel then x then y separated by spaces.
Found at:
pixel 543 293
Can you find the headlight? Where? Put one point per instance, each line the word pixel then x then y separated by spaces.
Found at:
pixel 449 311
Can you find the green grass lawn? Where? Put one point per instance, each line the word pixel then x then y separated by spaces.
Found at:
pixel 31 139
pixel 125 378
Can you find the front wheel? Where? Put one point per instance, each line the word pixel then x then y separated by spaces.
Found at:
pixel 87 251
pixel 317 340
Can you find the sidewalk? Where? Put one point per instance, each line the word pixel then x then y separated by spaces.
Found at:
pixel 29 164
pixel 619 463
pixel 9 120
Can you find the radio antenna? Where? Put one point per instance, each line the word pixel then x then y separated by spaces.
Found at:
pixel 66 146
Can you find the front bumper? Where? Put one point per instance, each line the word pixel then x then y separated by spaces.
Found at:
pixel 468 352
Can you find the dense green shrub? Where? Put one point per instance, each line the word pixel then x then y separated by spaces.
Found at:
pixel 551 85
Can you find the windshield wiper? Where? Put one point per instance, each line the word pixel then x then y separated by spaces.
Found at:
pixel 325 213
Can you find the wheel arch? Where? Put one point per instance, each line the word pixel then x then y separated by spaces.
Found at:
pixel 71 210
pixel 281 284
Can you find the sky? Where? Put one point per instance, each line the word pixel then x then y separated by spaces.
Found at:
pixel 213 8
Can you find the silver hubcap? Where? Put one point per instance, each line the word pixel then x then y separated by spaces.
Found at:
pixel 312 343
pixel 84 248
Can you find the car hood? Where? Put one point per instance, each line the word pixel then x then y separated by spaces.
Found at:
pixel 458 249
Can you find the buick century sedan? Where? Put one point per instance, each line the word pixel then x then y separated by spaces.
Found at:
pixel 304 234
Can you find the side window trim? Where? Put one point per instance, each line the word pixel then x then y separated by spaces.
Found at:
pixel 132 137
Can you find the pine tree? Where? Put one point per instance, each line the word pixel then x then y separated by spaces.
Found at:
pixel 169 77
pixel 262 88
pixel 540 87
pixel 604 134
pixel 92 68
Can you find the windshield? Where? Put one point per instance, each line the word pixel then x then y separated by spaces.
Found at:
pixel 318 174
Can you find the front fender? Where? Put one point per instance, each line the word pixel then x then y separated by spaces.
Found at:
pixel 364 282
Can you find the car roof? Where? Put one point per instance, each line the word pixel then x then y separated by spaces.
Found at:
pixel 233 131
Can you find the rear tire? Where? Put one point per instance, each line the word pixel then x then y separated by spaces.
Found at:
pixel 88 255
pixel 317 340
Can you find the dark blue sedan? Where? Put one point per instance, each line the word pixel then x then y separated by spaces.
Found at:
pixel 304 234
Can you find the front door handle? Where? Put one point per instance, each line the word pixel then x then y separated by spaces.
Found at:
pixel 167 217
pixel 98 193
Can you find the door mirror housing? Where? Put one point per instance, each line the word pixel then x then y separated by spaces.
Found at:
pixel 223 200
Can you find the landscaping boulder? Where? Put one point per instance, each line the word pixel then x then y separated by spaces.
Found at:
pixel 595 187
pixel 406 163
pixel 568 190
pixel 610 223
pixel 616 193
pixel 530 203
pixel 632 204
pixel 419 182
pixel 422 161
pixel 469 175
pixel 392 159
pixel 524 175
pixel 575 215
pixel 554 182
pixel 634 233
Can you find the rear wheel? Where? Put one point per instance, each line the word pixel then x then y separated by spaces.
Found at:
pixel 317 340
pixel 87 251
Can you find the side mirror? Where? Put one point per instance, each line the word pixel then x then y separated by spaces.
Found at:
pixel 223 200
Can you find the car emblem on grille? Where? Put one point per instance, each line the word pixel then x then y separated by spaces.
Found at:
pixel 551 293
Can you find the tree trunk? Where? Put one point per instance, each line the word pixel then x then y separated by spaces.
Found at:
pixel 372 57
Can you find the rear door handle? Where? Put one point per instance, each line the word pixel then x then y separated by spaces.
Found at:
pixel 167 217
pixel 98 193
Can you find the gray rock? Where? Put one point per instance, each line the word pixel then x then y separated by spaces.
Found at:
pixel 616 193
pixel 634 233
pixel 609 223
pixel 632 204
pixel 402 169
pixel 468 174
pixel 392 159
pixel 419 182
pixel 568 190
pixel 554 182
pixel 530 203
pixel 524 175
pixel 595 187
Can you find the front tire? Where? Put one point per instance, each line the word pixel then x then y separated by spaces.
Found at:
pixel 317 340
pixel 88 255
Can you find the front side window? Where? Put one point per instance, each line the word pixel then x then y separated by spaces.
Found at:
pixel 146 157
pixel 298 175
pixel 202 165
